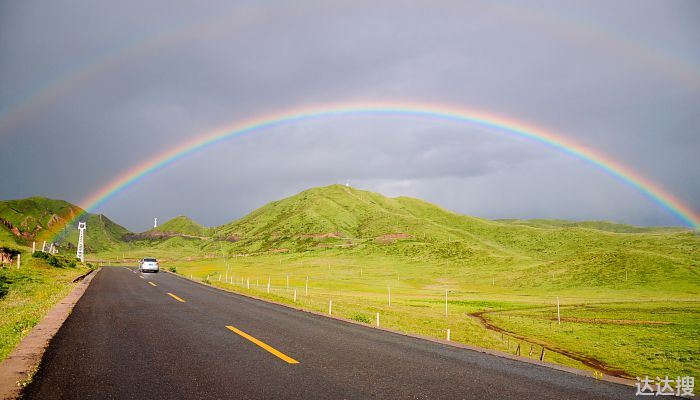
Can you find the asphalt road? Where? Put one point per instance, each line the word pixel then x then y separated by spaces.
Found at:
pixel 129 339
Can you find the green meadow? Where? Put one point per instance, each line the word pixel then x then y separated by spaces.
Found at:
pixel 28 293
pixel 624 331
pixel 629 297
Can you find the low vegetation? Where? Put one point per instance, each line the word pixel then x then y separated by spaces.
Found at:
pixel 29 293
pixel 628 295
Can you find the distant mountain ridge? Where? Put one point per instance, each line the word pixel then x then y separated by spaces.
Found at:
pixel 327 217
pixel 180 226
pixel 39 219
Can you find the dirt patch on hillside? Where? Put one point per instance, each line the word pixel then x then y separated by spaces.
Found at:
pixel 392 237
pixel 583 358
pixel 329 235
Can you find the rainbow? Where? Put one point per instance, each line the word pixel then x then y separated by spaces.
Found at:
pixel 508 126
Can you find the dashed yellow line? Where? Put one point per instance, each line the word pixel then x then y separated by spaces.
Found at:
pixel 175 297
pixel 264 345
pixel 152 284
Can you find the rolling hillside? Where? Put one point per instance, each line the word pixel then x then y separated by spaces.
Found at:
pixel 39 218
pixel 178 227
pixel 361 222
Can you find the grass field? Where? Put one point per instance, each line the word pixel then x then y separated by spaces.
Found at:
pixel 629 330
pixel 629 295
pixel 33 290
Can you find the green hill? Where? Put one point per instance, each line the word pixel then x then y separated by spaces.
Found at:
pixel 168 234
pixel 598 225
pixel 39 218
pixel 181 225
pixel 362 222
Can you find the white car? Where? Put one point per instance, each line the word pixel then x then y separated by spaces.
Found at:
pixel 148 265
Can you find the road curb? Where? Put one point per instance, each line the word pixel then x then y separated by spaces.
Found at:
pixel 571 370
pixel 23 361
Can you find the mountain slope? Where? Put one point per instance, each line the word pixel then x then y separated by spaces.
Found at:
pixel 178 227
pixel 39 218
pixel 181 225
pixel 342 217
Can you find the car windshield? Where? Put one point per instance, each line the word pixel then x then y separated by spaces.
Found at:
pixel 150 260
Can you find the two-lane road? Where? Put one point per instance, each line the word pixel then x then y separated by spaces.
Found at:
pixel 158 336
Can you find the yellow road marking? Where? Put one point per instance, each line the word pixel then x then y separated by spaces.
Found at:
pixel 175 297
pixel 141 277
pixel 263 345
pixel 152 284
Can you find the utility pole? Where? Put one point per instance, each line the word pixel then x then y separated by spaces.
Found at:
pixel 81 242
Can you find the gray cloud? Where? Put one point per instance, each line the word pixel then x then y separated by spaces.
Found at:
pixel 577 70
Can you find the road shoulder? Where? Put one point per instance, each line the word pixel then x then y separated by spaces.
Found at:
pixel 23 361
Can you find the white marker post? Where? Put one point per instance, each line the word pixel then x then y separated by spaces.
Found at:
pixel 389 296
pixel 377 319
pixel 19 260
pixel 43 247
pixel 330 307
pixel 306 288
pixel 295 295
pixel 33 247
pixel 268 284
pixel 448 334
pixel 558 315
pixel 247 283
pixel 287 281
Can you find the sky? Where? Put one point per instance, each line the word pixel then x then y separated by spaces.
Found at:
pixel 90 89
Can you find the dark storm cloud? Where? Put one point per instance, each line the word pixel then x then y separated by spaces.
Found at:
pixel 615 77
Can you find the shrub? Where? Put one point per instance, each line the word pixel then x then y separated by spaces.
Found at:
pixel 172 269
pixel 362 318
pixel 56 261
pixel 4 284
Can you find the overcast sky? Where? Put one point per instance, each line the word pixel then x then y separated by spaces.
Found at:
pixel 89 89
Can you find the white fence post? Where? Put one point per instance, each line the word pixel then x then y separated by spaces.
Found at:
pixel 558 315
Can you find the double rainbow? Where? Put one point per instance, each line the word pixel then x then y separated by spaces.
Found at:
pixel 646 187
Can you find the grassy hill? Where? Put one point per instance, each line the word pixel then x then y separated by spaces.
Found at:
pixel 361 222
pixel 598 225
pixel 624 290
pixel 39 218
pixel 182 225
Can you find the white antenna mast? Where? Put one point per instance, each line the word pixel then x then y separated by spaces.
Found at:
pixel 81 241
